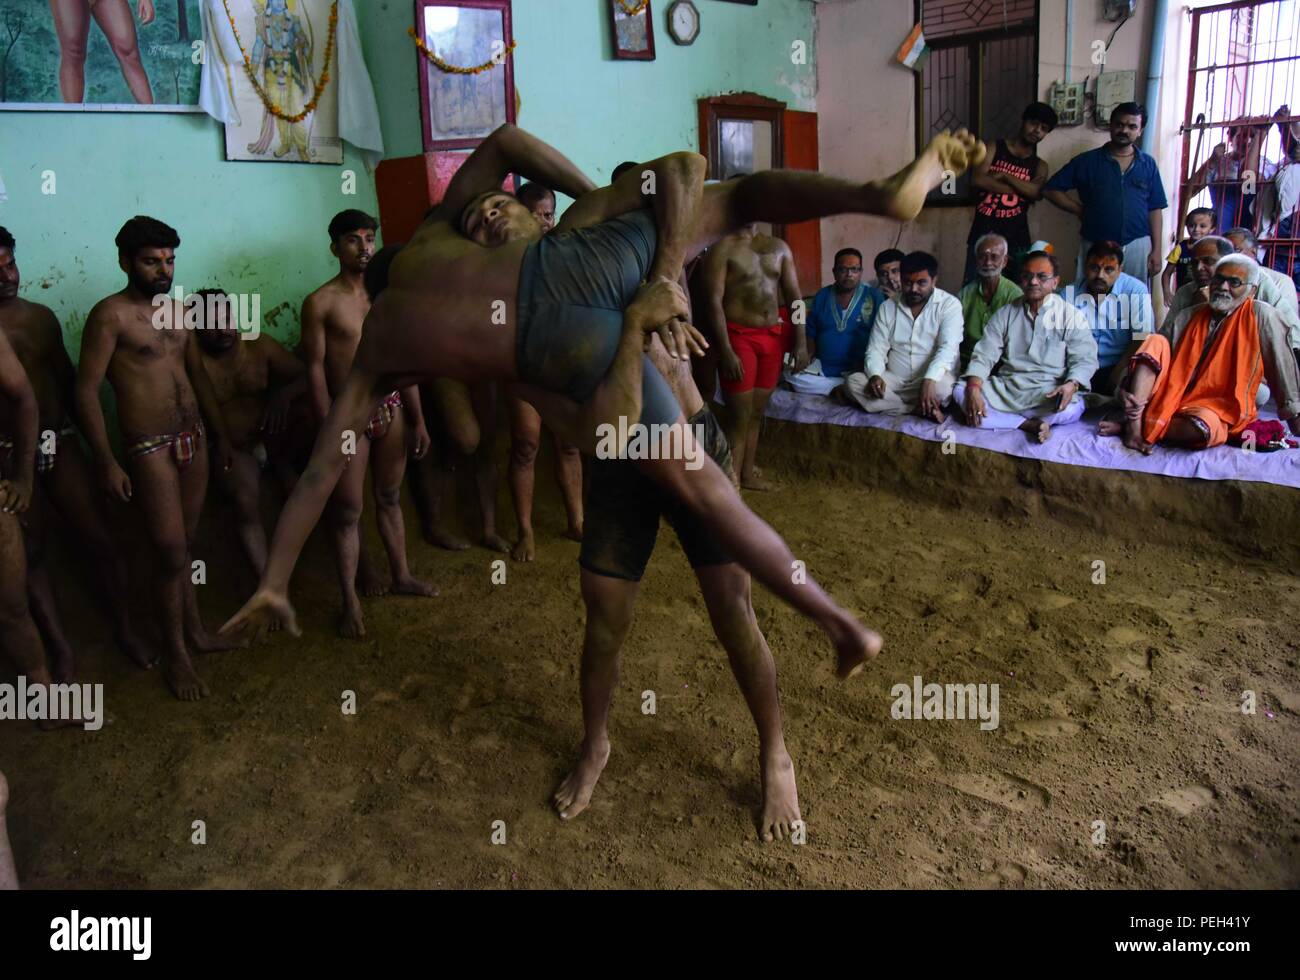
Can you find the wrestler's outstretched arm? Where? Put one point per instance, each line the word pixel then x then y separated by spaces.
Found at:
pixel 343 426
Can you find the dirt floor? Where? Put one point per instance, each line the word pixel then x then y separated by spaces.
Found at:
pixel 1119 702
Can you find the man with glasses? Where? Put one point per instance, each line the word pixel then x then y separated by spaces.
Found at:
pixel 1036 354
pixel 1195 384
pixel 839 324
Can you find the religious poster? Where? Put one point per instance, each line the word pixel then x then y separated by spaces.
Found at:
pixel 100 55
pixel 287 99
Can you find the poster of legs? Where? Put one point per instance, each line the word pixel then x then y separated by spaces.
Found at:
pixel 100 55
pixel 289 107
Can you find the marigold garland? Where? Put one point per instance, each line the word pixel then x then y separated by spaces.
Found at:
pixel 310 107
pixel 641 5
pixel 453 69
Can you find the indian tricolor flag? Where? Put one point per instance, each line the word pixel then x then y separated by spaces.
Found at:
pixel 913 52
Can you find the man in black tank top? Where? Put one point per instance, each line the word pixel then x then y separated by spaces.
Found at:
pixel 1008 182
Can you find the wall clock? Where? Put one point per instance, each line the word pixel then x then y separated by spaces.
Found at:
pixel 684 22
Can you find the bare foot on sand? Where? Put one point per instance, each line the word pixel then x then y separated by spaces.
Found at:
pixel 573 532
pixel 857 647
pixel 948 153
pixel 183 679
pixel 140 655
pixel 369 582
pixel 204 642
pixel 756 481
pixel 1036 429
pixel 574 793
pixel 780 798
pixel 352 623
pixel 525 548
pixel 494 542
pixel 441 538
pixel 410 585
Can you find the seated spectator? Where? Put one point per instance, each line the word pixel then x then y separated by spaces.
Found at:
pixel 912 355
pixel 838 326
pixel 1275 288
pixel 988 292
pixel 1205 256
pixel 1178 270
pixel 1116 306
pixel 1195 383
pixel 1036 354
pixel 888 279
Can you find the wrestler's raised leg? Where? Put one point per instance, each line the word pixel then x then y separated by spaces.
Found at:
pixel 117 22
pixel 709 494
pixel 387 468
pixel 609 603
pixel 156 489
pixel 72 27
pixel 791 196
pixel 486 397
pixel 70 487
pixel 8 870
pixel 345 516
pixel 726 593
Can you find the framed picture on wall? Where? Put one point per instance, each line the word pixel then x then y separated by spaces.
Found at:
pixel 751 3
pixel 459 109
pixel 68 63
pixel 632 24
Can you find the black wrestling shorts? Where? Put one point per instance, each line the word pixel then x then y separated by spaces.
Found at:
pixel 623 508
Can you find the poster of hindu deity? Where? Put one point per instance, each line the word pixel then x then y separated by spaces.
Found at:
pixel 288 96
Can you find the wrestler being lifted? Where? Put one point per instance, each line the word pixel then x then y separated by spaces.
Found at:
pixel 64 489
pixel 137 338
pixel 479 293
pixel 332 319
pixel 256 381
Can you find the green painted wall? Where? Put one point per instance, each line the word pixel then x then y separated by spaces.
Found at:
pixel 260 227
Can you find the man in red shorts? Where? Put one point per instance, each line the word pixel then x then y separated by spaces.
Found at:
pixel 748 282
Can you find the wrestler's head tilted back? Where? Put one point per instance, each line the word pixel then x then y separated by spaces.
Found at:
pixel 496 217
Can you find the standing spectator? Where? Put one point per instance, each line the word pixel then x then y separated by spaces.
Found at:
pixel 1121 196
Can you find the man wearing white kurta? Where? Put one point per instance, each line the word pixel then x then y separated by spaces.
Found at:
pixel 1044 354
pixel 911 361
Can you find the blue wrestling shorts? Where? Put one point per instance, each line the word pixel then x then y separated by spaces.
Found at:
pixel 573 288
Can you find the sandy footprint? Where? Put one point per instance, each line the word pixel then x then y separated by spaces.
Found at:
pixel 1187 799
pixel 1020 732
pixel 1003 789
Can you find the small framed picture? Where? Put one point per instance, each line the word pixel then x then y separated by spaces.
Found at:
pixel 632 22
pixel 460 110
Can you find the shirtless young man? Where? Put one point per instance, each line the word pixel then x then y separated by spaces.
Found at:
pixel 746 280
pixel 168 415
pixel 255 380
pixel 332 319
pixel 65 485
pixel 575 326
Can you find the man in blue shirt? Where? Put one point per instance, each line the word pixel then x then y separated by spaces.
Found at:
pixel 1121 195
pixel 1116 306
pixel 839 325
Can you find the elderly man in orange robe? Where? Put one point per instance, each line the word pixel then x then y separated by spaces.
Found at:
pixel 1194 383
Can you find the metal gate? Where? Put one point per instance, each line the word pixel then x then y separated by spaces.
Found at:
pixel 1242 124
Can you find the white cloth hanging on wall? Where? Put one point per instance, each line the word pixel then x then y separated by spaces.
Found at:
pixel 358 111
